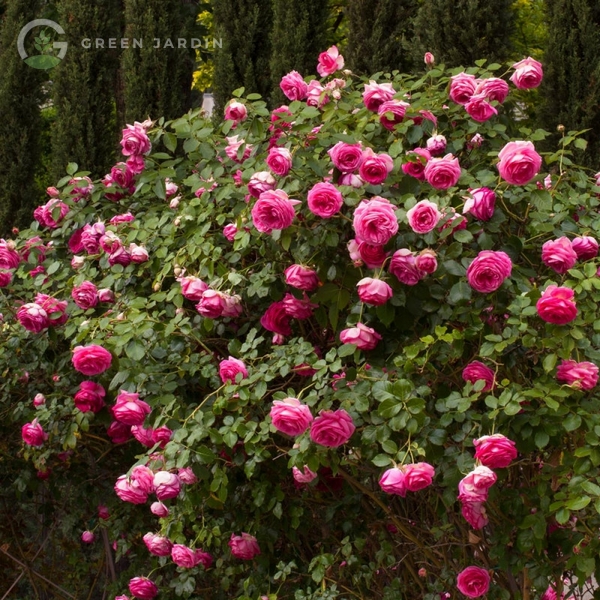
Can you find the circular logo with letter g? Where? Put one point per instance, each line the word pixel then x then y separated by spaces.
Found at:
pixel 46 59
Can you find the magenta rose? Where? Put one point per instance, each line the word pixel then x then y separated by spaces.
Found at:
pixel 493 88
pixel 557 305
pixel 481 203
pixel 330 62
pixel 528 74
pixel 183 556
pixel 51 214
pixel 479 109
pixel 143 588
pixel 130 491
pixel 166 485
pixel 33 434
pixel 135 141
pixel 119 432
pixel 192 287
pixel 363 337
pixel 212 304
pixel 88 537
pixel 393 482
pixel 426 261
pixel 332 428
pixel 375 221
pixel 187 476
pixel 236 111
pixel 324 200
pixel 91 360
pixel 423 216
pixel 138 254
pixel 473 582
pixel 33 317
pixel 293 86
pixel 143 435
pixel 559 255
pixel 229 231
pixel 404 267
pixel 375 168
pixel 346 157
pixel 416 168
pixel 162 436
pixel 290 416
pixel 5 278
pixel 90 397
pixel 298 308
pixel 442 173
pixel 302 278
pixel 585 247
pixel 261 181
pixel 244 547
pixel 462 87
pixel 129 409
pixel 391 113
pixel 85 295
pixel 488 271
pixel 304 476
pixel 124 218
pixel 418 476
pixel 373 255
pixel 519 162
pixel 376 94
pixel 279 161
pixel 476 371
pixel 495 451
pixel 436 145
pixel 374 291
pixel 277 319
pixel 229 369
pixel 273 210
pixel 580 375
pixel 475 514
pixel 157 544
pixel 9 257
pixel 475 485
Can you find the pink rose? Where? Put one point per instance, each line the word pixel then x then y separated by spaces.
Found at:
pixel 233 149
pixel 363 337
pixel 87 537
pixel 129 491
pixel 276 319
pixel 324 200
pixel 528 74
pixel 298 308
pixel 475 141
pixel 166 485
pixel 475 485
pixel 33 317
pixel 375 221
pixel 475 514
pixel 110 242
pixel 391 113
pixel 519 162
pixel 332 428
pixel 346 157
pixel 290 416
pixel 273 210
pixel 106 295
pixel 473 582
pixel 373 255
pixel 90 397
pixel 9 257
pixel 495 451
pixel 374 291
pixel 143 588
pixel 304 476
pixel 418 476
pixel 488 271
pixel 229 231
pixel 585 247
pixel 580 375
pixel 230 368
pixel 429 59
pixel 424 216
pixel 442 173
pixel 481 203
pixel 129 409
pixel 236 111
pixel 5 278
pixel 119 257
pixel 39 400
pixel 187 476
pixel 119 432
pixel 426 261
pixel 91 360
pixel 315 94
pixel 293 86
pixel 143 435
pixel 493 88
pixel 183 556
pixel 462 87
pixel 33 434
pixel 376 94
pixel 51 214
pixel 157 544
pixel 416 168
pixel 135 141
pixel 192 287
pixel 479 109
pixel 375 168
pixel 244 547
pixel 162 436
pixel 330 62
pixel 138 254
pixel 124 218
pixel 159 509
pixel 212 304
pixel 559 255
pixel 135 164
pixel 103 512
pixel 476 371
pixel 302 278
pixel 393 482
pixel 557 305
pixel 85 295
pixel 279 161
pixel 404 267
pixel 261 181
pixel 436 145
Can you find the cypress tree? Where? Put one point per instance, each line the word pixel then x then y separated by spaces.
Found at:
pixel 571 85
pixel 299 34
pixel 463 31
pixel 244 28
pixel 158 81
pixel 20 98
pixel 380 35
pixel 85 130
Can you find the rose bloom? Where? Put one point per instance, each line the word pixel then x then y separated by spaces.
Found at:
pixel 135 141
pixel 129 491
pixel 304 476
pixel 212 304
pixel 183 556
pixel 39 400
pixel 373 255
pixel 442 173
pixel 429 59
pixel 276 319
pixel 330 62
pixel 119 432
pixel 33 317
pixel 559 255
pixel 302 278
pixel 476 371
pixel 110 242
pixel 159 509
pixel 87 537
pixel 230 368
pixel 479 109
pixel 580 375
pixel 9 257
pixel 157 544
pixel 475 514
pixel 346 157
pixel 315 95
pixel 124 218
pixel 481 203
pixel 393 482
pixel 519 162
pixel 556 305
pixel 495 451
pixel 143 478
pixel 162 436
pixel 298 308
pixel 192 287
pixel 475 485
pixel 423 216
pixel 585 247
pixel 85 295
pixel 391 113
pixel 33 434
pixel 404 267
pixel 493 88
pixel 90 397
pixel 436 145
pixel 187 476
pixel 363 337
pixel 374 291
pixel 129 409
pixel 273 210
pixel 418 476
pixel 528 74
pixel 375 168
pixel 143 588
pixel 233 146
pixel 45 215
pixel 229 231
pixel 290 416
pixel 416 168
pixel 244 547
pixel 119 257
pixel 138 254
pixel 324 200
pixel 279 161
pixel 166 485
pixel 375 221
pixel 376 94
pixel 236 111
pixel 143 435
pixel 426 261
pixel 261 181
pixel 473 582
pixel 5 278
pixel 462 87
pixel 293 86
pixel 332 428
pixel 91 360
pixel 488 271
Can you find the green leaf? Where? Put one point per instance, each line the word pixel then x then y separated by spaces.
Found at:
pixel 459 292
pixel 549 362
pixel 578 503
pixel 159 189
pixel 135 350
pixel 383 460
pixel 346 350
pixel 170 141
pixel 541 439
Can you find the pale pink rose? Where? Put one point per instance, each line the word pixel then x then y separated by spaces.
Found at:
pixel 261 181
pixel 528 74
pixel 129 491
pixel 493 88
pixel 106 295
pixel 436 145
pixel 351 180
pixel 77 262
pixel 375 221
pixel 233 149
pixel 475 141
pixel 429 59
pixel 559 255
pixel 418 476
pixel 330 62
pixel 135 141
pixel 236 111
pixel 374 291
pixel 580 375
pixel 273 210
pixel 375 168
pixel 479 109
pixel 332 428
pixel 119 432
pixel 229 231
pixel 376 94
pixel 88 537
pixel 304 476
pixel 187 476
pixel 85 295
pixel 355 257
pixel 585 247
pixel 293 86
pixel 416 168
pixel 39 400
pixel 519 162
pixel 324 200
pixel 212 304
pixel 171 188
pixel 91 360
pixel 302 278
pixel 476 371
pixel 488 270
pixel 363 337
pixel 143 435
pixel 33 317
pixel 404 267
pixel 426 261
pixel 315 94
pixel 129 409
pixel 159 509
pixel 473 582
pixel 442 173
pixel 143 588
pixel 279 160
pixel 475 514
pixel 346 157
pixel 372 255
pixel 138 254
pixel 391 113
pixel 157 544
pixel 90 397
pixel 557 305
pixel 481 203
pixel 393 482
pixel 276 319
pixel 230 368
pixel 192 287
pixel 298 308
pixel 166 485
pixel 424 216
pixel 462 87
pixel 475 485
pixel 33 434
pixel 244 547
pixel 162 435
pixel 52 192
pixel 233 306
pixel 495 451
pixel 290 416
